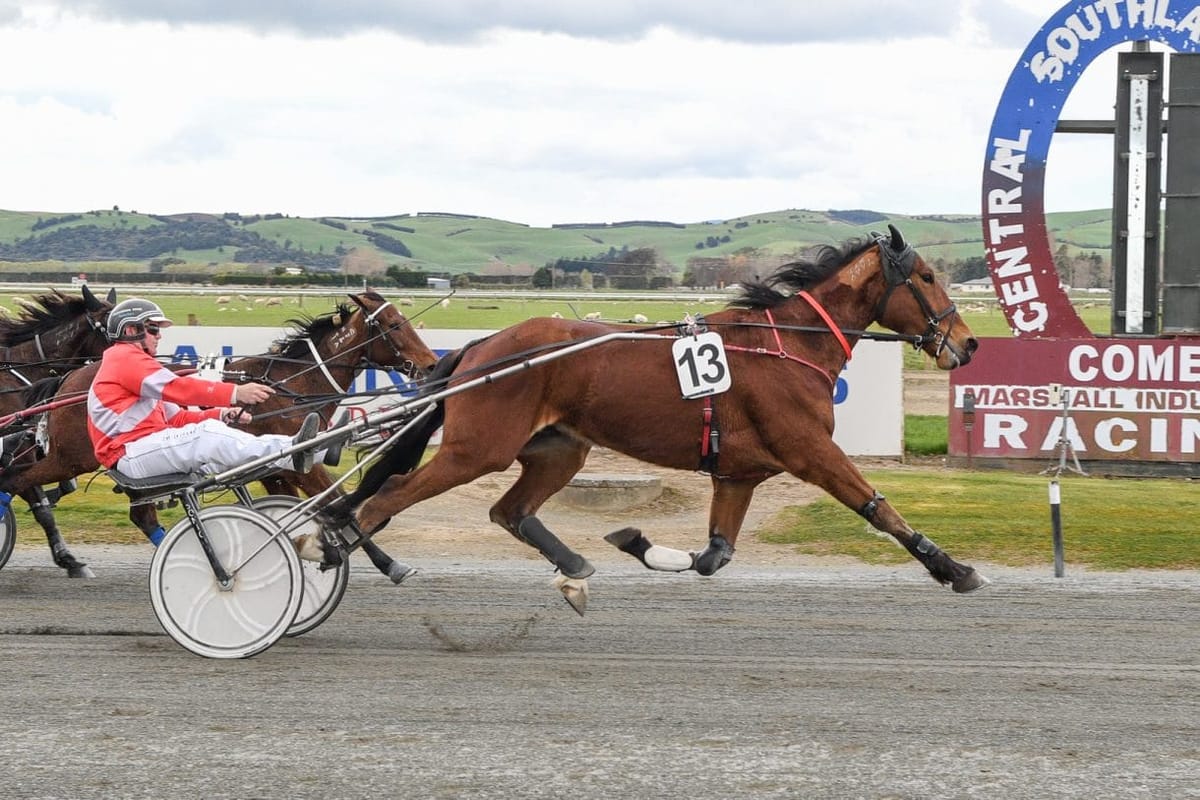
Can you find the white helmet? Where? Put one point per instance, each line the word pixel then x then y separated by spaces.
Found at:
pixel 137 312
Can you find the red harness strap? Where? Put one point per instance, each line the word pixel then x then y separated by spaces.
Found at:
pixel 710 433
pixel 710 436
pixel 824 315
pixel 781 353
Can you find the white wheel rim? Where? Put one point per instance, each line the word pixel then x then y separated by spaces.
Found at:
pixel 323 589
pixel 8 534
pixel 253 612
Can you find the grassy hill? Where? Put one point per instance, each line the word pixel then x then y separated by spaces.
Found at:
pixel 453 243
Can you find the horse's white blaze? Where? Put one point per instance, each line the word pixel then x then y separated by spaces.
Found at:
pixel 667 559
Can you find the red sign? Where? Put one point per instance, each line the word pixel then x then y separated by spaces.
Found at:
pixel 1126 399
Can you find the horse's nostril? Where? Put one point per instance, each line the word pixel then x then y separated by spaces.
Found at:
pixel 972 344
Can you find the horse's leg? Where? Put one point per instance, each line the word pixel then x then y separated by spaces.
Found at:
pixel 43 512
pixel 726 513
pixel 317 481
pixel 145 517
pixel 548 462
pixel 279 485
pixel 829 468
pixel 452 465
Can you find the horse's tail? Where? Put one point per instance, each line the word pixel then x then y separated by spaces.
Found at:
pixel 406 452
pixel 42 391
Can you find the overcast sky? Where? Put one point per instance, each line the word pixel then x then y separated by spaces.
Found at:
pixel 534 111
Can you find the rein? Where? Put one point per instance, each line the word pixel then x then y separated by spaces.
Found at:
pixel 779 352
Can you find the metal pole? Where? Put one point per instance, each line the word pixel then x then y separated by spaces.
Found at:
pixel 1056 527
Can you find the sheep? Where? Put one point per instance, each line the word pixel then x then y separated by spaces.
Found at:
pixel 223 299
pixel 640 318
pixel 594 315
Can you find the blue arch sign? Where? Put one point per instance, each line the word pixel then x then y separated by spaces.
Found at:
pixel 1014 170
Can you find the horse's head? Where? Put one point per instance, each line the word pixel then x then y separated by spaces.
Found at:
pixel 922 308
pixel 96 338
pixel 393 341
pixel 55 329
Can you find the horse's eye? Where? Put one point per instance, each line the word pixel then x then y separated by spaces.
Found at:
pixel 928 278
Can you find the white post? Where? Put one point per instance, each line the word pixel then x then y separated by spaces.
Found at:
pixel 1135 219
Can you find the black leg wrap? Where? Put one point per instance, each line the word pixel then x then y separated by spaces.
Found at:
pixel 871 507
pixel 336 514
pixel 630 540
pixel 930 555
pixel 569 562
pixel 718 553
pixel 923 547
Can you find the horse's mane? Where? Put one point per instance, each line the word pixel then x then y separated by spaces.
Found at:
pixel 40 315
pixel 292 345
pixel 798 275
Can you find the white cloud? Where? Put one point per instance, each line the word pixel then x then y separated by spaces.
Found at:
pixel 533 112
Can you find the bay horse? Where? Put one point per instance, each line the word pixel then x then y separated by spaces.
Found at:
pixel 311 368
pixel 785 338
pixel 53 335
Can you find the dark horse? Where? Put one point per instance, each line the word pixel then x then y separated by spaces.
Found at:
pixel 311 369
pixel 786 340
pixel 53 335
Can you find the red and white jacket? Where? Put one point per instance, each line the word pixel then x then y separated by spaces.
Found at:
pixel 133 395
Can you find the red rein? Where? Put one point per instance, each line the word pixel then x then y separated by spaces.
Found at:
pixel 779 352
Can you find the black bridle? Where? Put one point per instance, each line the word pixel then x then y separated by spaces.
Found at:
pixel 898 259
pixel 407 367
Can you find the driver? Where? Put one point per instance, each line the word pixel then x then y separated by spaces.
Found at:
pixel 137 418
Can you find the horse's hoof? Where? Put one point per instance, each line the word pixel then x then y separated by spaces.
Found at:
pixel 574 591
pixel 310 547
pixel 623 538
pixel 80 571
pixel 399 572
pixel 970 582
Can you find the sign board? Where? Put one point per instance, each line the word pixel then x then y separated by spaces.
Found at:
pixel 1130 400
pixel 868 397
pixel 1014 225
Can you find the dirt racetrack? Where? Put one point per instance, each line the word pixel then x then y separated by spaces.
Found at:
pixel 780 677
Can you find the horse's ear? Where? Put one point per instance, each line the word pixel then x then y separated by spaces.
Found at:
pixel 358 301
pixel 897 239
pixel 112 295
pixel 89 299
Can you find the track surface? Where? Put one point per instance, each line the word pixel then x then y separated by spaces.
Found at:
pixel 475 681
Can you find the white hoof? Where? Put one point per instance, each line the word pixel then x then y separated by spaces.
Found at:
pixel 399 572
pixel 574 591
pixel 309 548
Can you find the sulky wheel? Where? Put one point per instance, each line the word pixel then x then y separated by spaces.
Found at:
pixel 253 611
pixel 8 534
pixel 323 589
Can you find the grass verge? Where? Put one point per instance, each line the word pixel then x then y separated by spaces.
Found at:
pixel 1110 524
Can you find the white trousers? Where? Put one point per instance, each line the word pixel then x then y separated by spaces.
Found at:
pixel 207 447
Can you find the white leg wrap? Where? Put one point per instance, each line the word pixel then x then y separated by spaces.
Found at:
pixel 667 559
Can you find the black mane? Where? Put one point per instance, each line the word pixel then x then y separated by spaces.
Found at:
pixel 292 345
pixel 798 275
pixel 51 311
